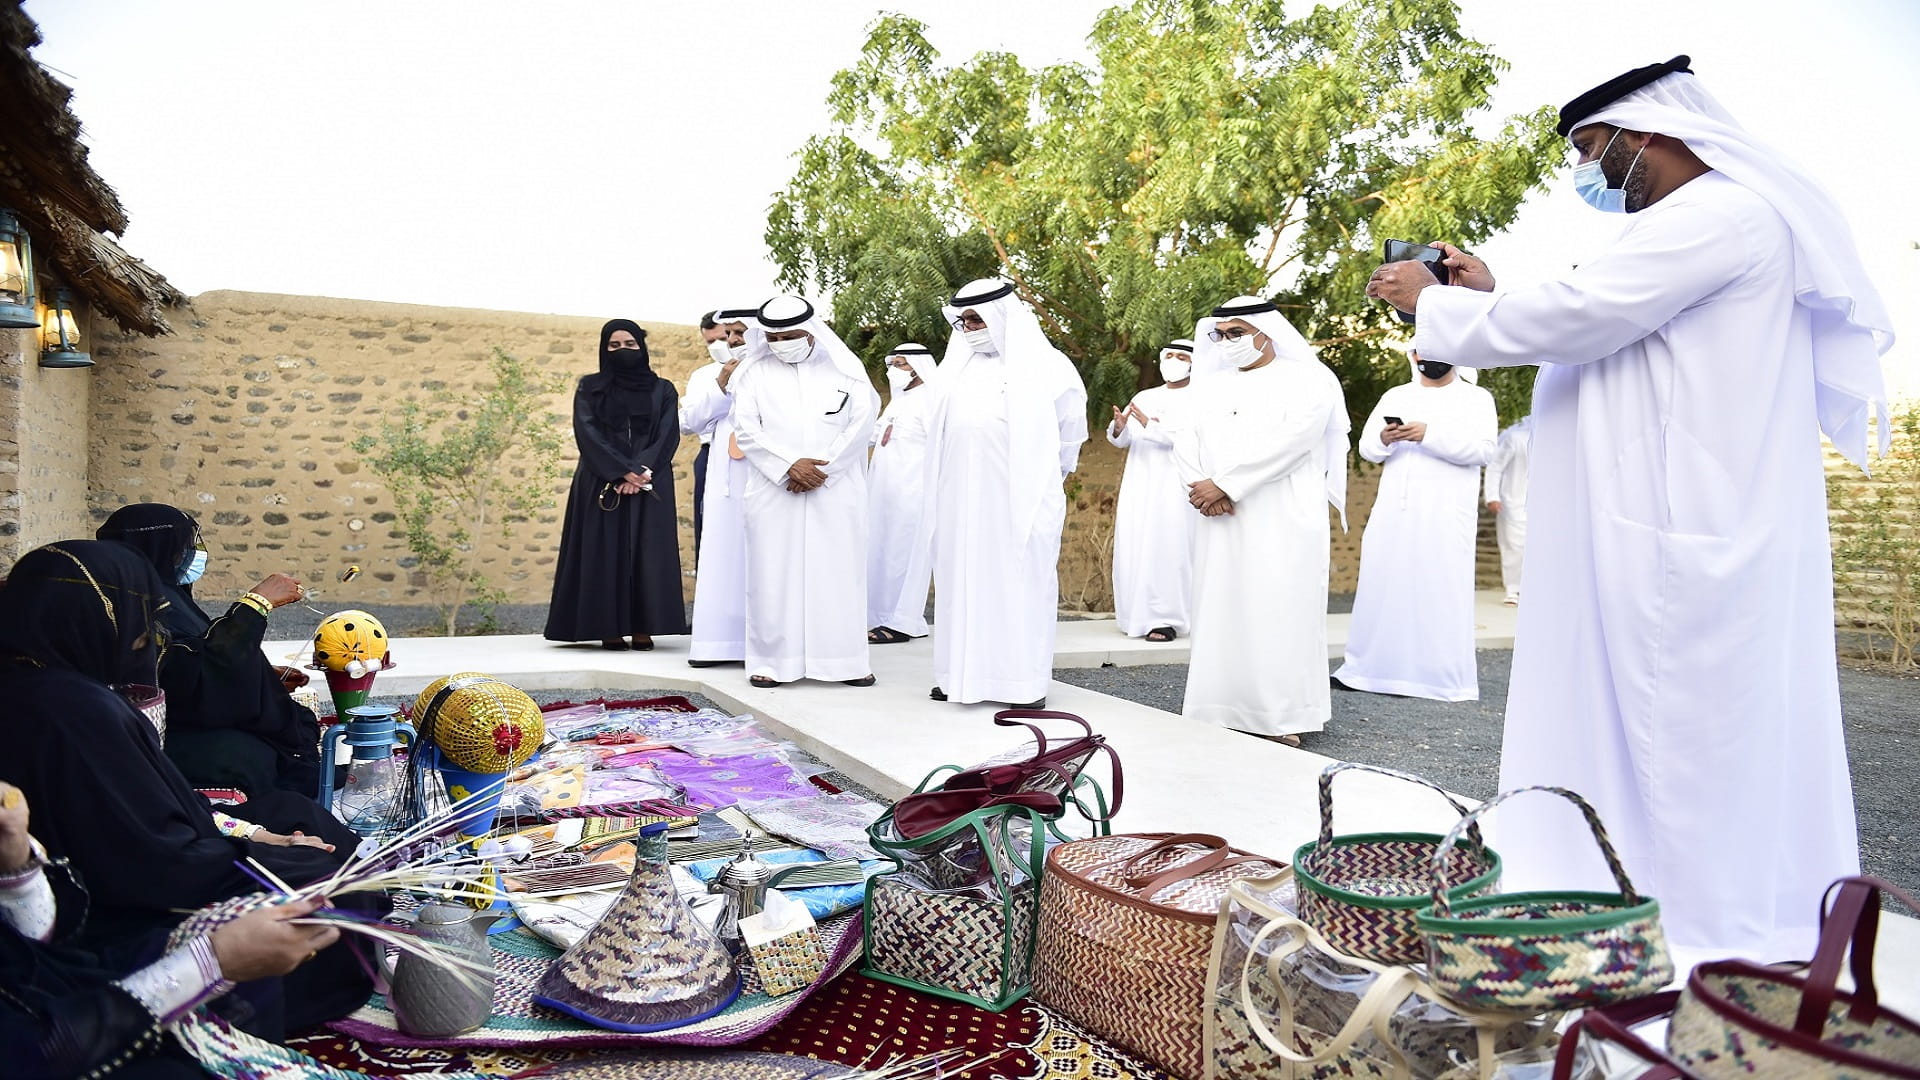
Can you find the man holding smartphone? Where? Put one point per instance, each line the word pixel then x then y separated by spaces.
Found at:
pixel 1675 658
pixel 1412 630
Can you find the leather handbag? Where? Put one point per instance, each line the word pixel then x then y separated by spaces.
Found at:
pixel 1043 779
pixel 1126 926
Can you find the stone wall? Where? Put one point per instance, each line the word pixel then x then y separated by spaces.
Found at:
pixel 245 417
pixel 43 448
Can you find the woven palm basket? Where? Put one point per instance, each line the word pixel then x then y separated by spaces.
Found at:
pixel 1362 891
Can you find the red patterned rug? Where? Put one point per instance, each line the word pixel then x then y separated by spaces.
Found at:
pixel 856 1021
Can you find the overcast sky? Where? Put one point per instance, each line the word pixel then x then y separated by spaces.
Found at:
pixel 610 157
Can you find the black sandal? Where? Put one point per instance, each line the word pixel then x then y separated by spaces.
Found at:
pixel 1162 633
pixel 938 694
pixel 614 644
pixel 639 639
pixel 887 635
pixel 764 682
pixel 866 680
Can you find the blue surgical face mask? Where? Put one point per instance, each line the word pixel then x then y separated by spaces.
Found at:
pixel 196 566
pixel 1590 180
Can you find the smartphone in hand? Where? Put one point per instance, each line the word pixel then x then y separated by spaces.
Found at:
pixel 1407 251
pixel 1393 421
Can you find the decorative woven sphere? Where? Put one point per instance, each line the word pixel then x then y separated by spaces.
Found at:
pixel 346 636
pixel 480 723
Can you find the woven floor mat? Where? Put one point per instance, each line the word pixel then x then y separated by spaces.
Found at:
pixel 852 1021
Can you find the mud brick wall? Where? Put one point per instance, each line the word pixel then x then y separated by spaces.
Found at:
pixel 245 419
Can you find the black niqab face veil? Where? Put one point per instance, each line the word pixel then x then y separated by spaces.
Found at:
pixel 628 369
pixel 89 606
pixel 627 379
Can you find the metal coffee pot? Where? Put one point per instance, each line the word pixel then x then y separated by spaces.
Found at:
pixel 429 999
pixel 744 883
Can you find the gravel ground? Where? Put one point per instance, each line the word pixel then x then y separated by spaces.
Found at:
pixel 1458 745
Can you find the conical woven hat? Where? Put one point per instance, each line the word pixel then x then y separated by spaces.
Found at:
pixel 649 963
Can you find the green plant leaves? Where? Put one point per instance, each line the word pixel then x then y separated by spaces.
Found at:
pixel 1213 148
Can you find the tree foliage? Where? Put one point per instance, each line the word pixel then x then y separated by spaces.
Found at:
pixel 462 470
pixel 1212 148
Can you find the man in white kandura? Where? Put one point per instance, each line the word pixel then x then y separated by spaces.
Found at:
pixel 896 498
pixel 1506 489
pixel 1412 629
pixel 704 384
pixel 1263 452
pixel 720 580
pixel 1153 525
pixel 1675 657
pixel 803 412
pixel 1006 431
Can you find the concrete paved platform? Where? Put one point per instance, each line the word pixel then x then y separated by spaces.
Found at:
pixel 1181 776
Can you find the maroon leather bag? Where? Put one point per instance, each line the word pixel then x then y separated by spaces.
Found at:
pixel 1042 780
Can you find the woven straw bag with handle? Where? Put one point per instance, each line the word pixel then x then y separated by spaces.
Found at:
pixel 1737 1018
pixel 1126 926
pixel 1537 951
pixel 1740 1019
pixel 1363 890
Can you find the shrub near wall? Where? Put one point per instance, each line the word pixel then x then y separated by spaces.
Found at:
pixel 244 419
pixel 1876 549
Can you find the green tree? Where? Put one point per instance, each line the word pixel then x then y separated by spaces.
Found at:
pixel 461 469
pixel 1212 148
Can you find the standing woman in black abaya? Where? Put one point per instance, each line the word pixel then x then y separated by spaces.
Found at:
pixel 619 568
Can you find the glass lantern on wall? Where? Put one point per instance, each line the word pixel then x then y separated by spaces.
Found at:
pixel 16 274
pixel 60 345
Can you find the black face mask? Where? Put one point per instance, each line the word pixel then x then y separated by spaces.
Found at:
pixel 1434 369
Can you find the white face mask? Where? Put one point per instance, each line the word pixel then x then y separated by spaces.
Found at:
pixel 980 340
pixel 898 378
pixel 791 352
pixel 717 349
pixel 737 352
pixel 1241 353
pixel 1175 367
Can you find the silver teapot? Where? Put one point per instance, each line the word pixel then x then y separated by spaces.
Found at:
pixel 744 883
pixel 434 1000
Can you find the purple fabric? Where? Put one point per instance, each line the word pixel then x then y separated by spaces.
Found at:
pixel 724 781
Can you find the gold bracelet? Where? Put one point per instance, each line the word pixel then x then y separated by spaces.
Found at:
pixel 258 603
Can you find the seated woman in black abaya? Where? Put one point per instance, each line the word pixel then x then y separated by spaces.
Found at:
pixel 63 1015
pixel 618 571
pixel 231 720
pixel 76 619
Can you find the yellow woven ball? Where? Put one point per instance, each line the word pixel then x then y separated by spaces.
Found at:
pixel 480 723
pixel 346 636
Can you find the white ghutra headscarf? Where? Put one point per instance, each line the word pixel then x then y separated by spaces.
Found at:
pixel 1850 324
pixel 1038 375
pixel 1289 348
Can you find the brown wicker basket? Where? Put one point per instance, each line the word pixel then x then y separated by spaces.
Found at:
pixel 1126 929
